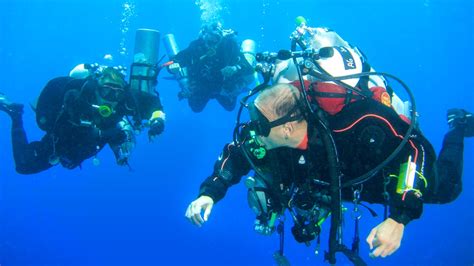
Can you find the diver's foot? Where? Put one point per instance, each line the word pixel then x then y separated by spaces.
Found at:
pixel 10 108
pixel 460 118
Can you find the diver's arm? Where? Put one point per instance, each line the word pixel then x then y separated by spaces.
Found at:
pixel 228 170
pixel 148 106
pixel 386 237
pixel 405 198
pixel 183 58
pixel 186 56
pixel 405 210
pixel 123 143
pixel 406 206
pixel 144 104
pixel 156 118
pixel 239 69
pixel 235 62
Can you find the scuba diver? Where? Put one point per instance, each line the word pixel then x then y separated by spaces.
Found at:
pixel 319 139
pixel 292 169
pixel 211 67
pixel 85 111
pixel 80 116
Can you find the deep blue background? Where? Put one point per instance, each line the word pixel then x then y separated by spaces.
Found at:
pixel 108 215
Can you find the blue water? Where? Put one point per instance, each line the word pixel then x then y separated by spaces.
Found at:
pixel 108 215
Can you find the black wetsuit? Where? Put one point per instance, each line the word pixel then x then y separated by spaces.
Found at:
pixel 360 148
pixel 204 69
pixel 74 129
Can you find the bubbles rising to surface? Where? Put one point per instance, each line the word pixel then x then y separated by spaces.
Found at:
pixel 128 12
pixel 211 11
pixel 265 11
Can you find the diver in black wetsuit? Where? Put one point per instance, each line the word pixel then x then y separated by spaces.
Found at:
pixel 292 168
pixel 216 68
pixel 80 116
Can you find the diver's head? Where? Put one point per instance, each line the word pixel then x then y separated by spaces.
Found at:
pixel 211 33
pixel 277 117
pixel 111 85
pixel 110 90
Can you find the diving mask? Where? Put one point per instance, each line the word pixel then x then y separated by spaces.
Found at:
pixel 262 126
pixel 111 92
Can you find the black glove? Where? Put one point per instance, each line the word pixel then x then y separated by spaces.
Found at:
pixel 156 127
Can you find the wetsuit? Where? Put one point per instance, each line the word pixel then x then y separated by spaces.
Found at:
pixel 74 129
pixel 204 65
pixel 361 146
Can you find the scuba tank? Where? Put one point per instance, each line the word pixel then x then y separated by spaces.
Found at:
pixel 144 70
pixel 248 49
pixel 178 72
pixel 171 46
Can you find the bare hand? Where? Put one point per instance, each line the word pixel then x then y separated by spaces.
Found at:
pixel 385 239
pixel 193 213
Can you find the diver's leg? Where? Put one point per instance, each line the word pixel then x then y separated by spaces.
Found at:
pixel 227 101
pixel 29 157
pixel 449 165
pixel 197 102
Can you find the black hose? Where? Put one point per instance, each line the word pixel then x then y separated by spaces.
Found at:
pixel 333 167
pixel 335 192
